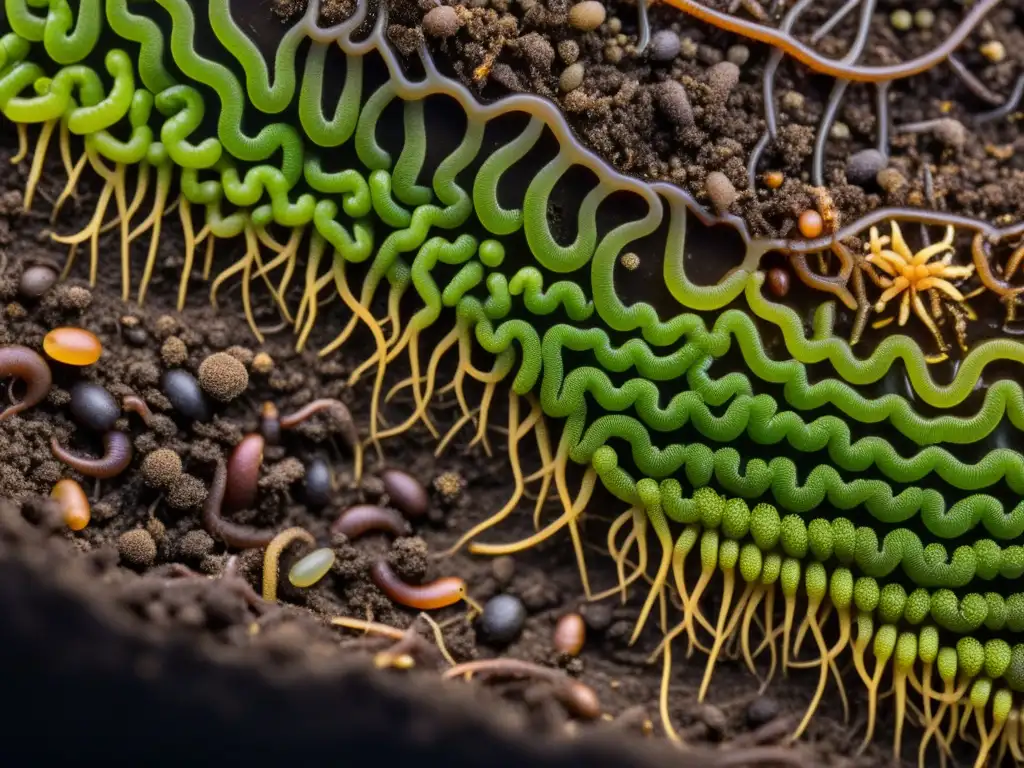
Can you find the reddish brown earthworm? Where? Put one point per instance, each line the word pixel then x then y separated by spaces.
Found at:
pixel 244 472
pixel 136 404
pixel 29 366
pixel 348 428
pixel 363 518
pixel 427 597
pixel 232 534
pixel 117 455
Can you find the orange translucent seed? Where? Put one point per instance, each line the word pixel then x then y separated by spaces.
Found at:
pixel 810 224
pixel 773 179
pixel 74 504
pixel 72 346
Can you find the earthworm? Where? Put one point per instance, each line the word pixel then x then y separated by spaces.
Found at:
pixel 980 254
pixel 117 455
pixel 29 366
pixel 363 518
pixel 348 428
pixel 232 534
pixel 437 594
pixel 270 423
pixel 136 404
pixel 574 695
pixel 825 66
pixel 244 472
pixel 273 554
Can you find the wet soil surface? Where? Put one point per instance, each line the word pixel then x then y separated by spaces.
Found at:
pixel 619 102
pixel 151 564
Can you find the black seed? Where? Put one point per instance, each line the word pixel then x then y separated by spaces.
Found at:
pixel 502 620
pixel 762 710
pixel 37 280
pixel 137 336
pixel 186 397
pixel 93 407
pixel 318 483
pixel 407 494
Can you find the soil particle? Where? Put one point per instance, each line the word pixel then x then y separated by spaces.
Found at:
pixel 186 492
pixel 410 559
pixel 137 548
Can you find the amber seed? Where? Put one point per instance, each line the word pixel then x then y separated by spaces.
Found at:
pixel 74 504
pixel 811 224
pixel 570 634
pixel 778 281
pixel 773 179
pixel 313 567
pixel 72 346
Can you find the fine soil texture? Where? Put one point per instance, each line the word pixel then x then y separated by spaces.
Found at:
pixel 146 559
pixel 946 139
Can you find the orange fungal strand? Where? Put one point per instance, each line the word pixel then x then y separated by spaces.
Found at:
pixel 428 597
pixel 72 346
pixel 811 58
pixel 73 503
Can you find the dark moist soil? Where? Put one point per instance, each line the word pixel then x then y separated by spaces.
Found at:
pixel 977 169
pixel 167 578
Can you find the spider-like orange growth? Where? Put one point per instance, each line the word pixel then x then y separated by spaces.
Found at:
pixel 911 273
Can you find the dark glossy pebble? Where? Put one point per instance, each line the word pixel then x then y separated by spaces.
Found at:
pixel 37 280
pixel 137 337
pixel 762 710
pixel 778 281
pixel 317 490
pixel 185 395
pixel 93 407
pixel 407 494
pixel 502 620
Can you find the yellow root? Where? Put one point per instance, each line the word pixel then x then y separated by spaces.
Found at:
pixel 720 635
pixel 22 143
pixel 660 525
pixel 91 231
pixel 826 658
pixel 314 286
pixel 516 432
pixel 36 171
pixel 639 519
pixel 666 675
pixel 154 222
pixel 421 408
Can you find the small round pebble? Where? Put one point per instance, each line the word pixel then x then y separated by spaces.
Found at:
pixel 317 488
pixel 891 180
pixel 994 51
pixel 36 280
pixel 137 336
pixel 675 104
pixel 449 486
pixel 720 190
pixel 137 548
pixel 313 567
pixel 569 51
pixel 93 406
pixel 262 363
pixel 407 495
pixel 924 18
pixel 195 545
pixel 862 167
pixel 503 568
pixel 442 21
pixel 173 352
pixel 722 78
pixel 223 376
pixel 571 78
pixel 187 492
pixel 762 710
pixel 185 395
pixel 665 45
pixel 901 20
pixel 161 468
pixel 587 16
pixel 503 619
pixel 950 132
pixel 738 55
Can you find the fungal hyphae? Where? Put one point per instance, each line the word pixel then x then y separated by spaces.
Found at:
pixel 846 488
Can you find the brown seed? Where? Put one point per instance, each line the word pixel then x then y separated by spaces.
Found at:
pixel 442 21
pixel 811 224
pixel 774 179
pixel 407 495
pixel 570 634
pixel 778 281
pixel 720 190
